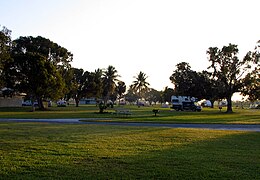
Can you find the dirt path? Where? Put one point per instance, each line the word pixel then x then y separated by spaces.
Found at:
pixel 238 127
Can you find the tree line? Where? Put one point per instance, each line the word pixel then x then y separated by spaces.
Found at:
pixel 42 69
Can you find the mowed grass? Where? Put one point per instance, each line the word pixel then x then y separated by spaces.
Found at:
pixel 142 114
pixel 63 151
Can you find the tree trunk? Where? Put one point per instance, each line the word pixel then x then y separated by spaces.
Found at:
pixel 32 101
pixel 77 102
pixel 40 103
pixel 212 103
pixel 229 104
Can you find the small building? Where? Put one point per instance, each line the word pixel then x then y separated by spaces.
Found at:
pixel 10 99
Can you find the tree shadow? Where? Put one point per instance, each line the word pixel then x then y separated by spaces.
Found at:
pixel 175 155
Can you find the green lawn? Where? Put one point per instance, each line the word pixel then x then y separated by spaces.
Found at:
pixel 63 151
pixel 142 114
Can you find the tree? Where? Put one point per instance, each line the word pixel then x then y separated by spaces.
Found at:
pixel 209 88
pixel 36 77
pixel 96 83
pixel 121 88
pixel 78 84
pixel 186 81
pixel 153 96
pixel 54 53
pixel 131 95
pixel 5 47
pixel 252 80
pixel 109 82
pixel 46 59
pixel 167 94
pixel 201 85
pixel 229 71
pixel 140 85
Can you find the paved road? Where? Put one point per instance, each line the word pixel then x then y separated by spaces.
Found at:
pixel 239 127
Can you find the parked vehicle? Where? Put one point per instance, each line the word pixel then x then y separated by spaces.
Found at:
pixel 205 103
pixel 29 103
pixel 181 103
pixel 61 103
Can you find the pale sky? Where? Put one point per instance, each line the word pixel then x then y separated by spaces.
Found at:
pixel 137 35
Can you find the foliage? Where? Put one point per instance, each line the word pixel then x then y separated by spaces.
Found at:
pixel 121 88
pixel 131 95
pixel 102 107
pixel 184 80
pixel 5 47
pixel 252 80
pixel 229 71
pixel 78 84
pixel 96 83
pixel 197 84
pixel 167 94
pixel 109 82
pixel 37 68
pixel 153 96
pixel 140 84
pixel 37 77
pixel 54 53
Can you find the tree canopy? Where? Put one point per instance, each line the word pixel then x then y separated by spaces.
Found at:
pixel 36 67
pixel 5 48
pixel 37 77
pixel 140 84
pixel 109 81
pixel 42 69
pixel 230 72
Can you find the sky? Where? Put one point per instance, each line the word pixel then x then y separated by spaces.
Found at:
pixel 151 36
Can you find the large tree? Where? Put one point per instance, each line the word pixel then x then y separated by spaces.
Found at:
pixel 252 80
pixel 210 89
pixel 229 71
pixel 186 81
pixel 47 60
pixel 54 53
pixel 5 47
pixel 140 84
pixel 36 77
pixel 197 84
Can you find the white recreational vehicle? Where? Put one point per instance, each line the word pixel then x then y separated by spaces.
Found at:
pixel 180 103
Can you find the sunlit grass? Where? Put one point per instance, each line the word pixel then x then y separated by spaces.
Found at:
pixel 58 151
pixel 142 114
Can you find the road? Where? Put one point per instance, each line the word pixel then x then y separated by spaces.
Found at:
pixel 238 127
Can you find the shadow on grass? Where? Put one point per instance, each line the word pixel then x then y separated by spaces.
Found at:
pixel 234 156
pixel 87 152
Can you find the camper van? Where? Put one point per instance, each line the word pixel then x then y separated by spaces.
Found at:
pixel 181 103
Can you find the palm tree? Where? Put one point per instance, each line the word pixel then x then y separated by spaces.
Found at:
pixel 109 82
pixel 97 83
pixel 140 84
pixel 121 88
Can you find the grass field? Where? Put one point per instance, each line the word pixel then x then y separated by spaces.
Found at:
pixel 81 151
pixel 143 114
pixel 63 151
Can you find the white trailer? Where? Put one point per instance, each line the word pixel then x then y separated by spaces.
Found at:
pixel 180 103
